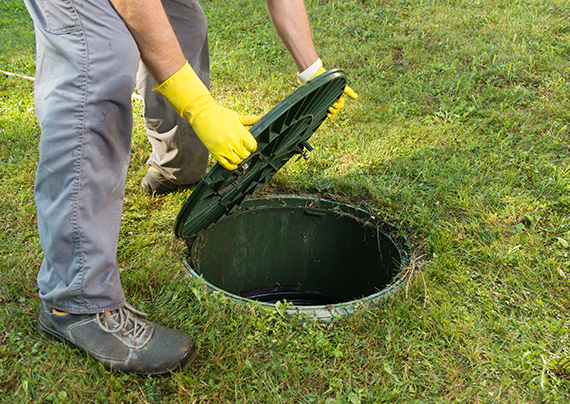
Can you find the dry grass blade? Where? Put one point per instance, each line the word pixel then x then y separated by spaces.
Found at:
pixel 412 271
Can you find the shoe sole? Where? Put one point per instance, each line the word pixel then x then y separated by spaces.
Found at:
pixel 183 364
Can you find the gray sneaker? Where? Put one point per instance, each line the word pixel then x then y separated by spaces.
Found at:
pixel 155 183
pixel 121 340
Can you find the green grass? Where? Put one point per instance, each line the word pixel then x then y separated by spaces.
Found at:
pixel 460 137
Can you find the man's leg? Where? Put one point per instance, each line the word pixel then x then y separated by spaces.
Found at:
pixel 178 156
pixel 86 62
pixel 85 69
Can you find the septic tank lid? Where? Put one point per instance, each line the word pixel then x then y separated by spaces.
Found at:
pixel 281 133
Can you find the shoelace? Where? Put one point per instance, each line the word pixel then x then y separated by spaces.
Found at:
pixel 124 321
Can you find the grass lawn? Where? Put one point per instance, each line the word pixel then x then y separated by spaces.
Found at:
pixel 460 138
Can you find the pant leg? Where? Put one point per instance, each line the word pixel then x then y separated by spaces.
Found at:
pixel 177 153
pixel 85 72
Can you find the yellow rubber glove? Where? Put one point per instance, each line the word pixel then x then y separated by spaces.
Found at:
pixel 221 130
pixel 337 106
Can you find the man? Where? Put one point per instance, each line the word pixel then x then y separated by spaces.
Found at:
pixel 88 54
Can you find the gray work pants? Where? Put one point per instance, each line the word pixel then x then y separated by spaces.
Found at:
pixel 86 67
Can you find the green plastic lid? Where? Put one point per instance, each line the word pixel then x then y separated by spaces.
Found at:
pixel 281 134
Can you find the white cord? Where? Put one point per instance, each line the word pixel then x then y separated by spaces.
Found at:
pixel 17 75
pixel 134 96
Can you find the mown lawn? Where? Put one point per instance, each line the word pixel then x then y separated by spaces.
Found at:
pixel 460 138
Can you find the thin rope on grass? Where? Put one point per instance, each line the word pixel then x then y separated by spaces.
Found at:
pixel 18 75
pixel 23 76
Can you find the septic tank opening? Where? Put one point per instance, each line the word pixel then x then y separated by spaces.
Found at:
pixel 323 256
pixel 308 252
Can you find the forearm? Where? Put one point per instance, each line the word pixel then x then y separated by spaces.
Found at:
pixel 157 43
pixel 289 18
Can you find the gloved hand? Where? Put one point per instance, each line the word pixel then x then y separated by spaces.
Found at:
pixel 337 106
pixel 221 130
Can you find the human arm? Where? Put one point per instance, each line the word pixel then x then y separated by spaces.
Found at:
pixel 220 129
pixel 157 43
pixel 291 23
